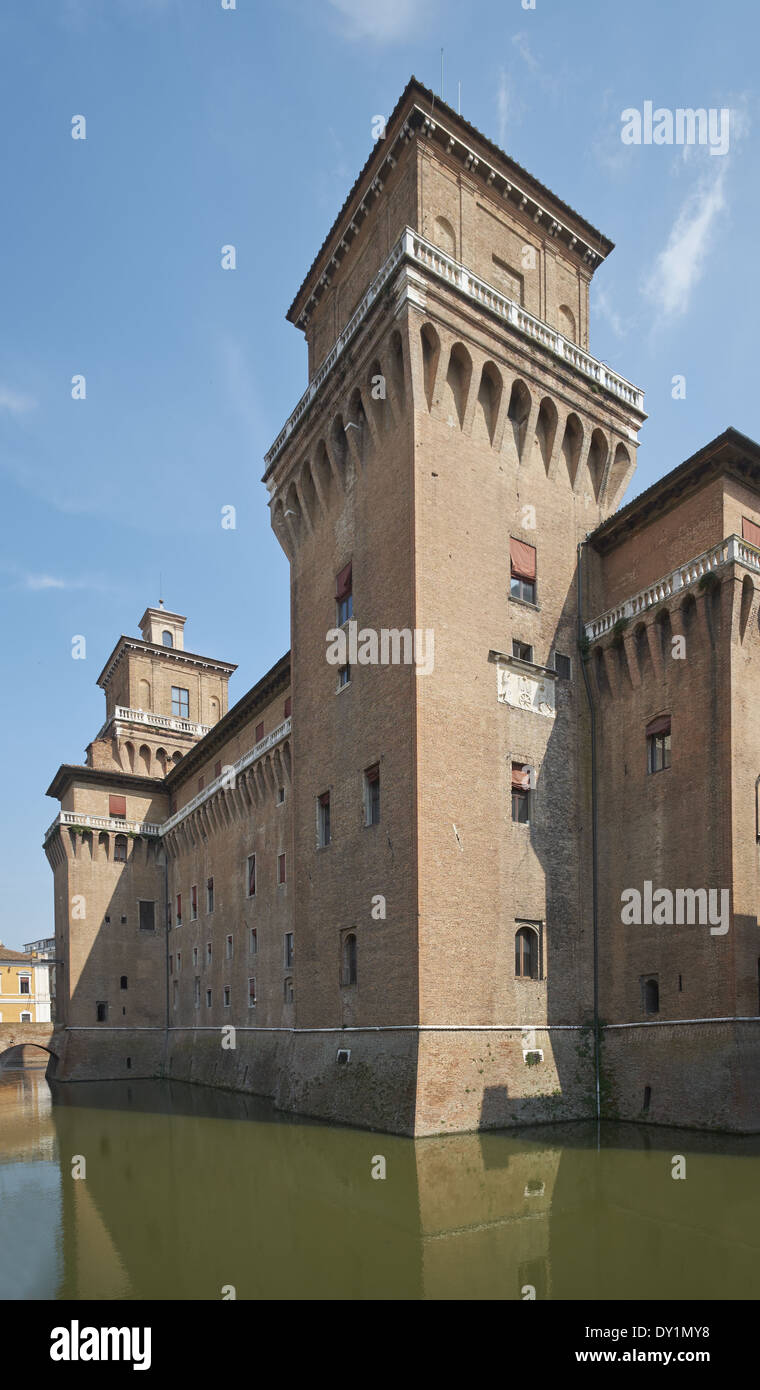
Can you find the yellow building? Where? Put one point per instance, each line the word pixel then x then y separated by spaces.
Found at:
pixel 24 988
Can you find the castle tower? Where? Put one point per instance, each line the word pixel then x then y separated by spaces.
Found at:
pixel 105 849
pixel 455 444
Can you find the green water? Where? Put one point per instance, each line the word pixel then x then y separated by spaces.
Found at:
pixel 189 1190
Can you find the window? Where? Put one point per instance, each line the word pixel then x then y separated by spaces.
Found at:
pixel 169 915
pixel 651 996
pixel 372 795
pixel 195 957
pixel 344 676
pixel 147 913
pixel 521 793
pixel 522 565
pixel 288 708
pixel 226 996
pixel 197 992
pixel 24 984
pixel 167 638
pixel 289 950
pixel 526 953
pixel 251 993
pixel 175 993
pixel 658 744
pixel 179 909
pixel 563 666
pixel 25 1018
pixel 180 702
pixel 750 531
pixel 218 768
pixel 280 795
pixel 348 960
pixel 229 948
pixel 323 819
pixel 120 849
pixel 209 895
pixel 171 965
pixel 280 868
pixel 287 990
pixel 179 962
pixel 253 942
pixel 101 1010
pixel 208 998
pixel 259 732
pixel 193 902
pixel 522 649
pixel 208 953
pixel 117 807
pixel 343 595
pixel 251 875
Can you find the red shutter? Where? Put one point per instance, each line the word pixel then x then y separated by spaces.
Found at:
pixel 373 773
pixel 259 732
pixel 343 583
pixel 750 531
pixel 117 806
pixel 288 708
pixel 520 777
pixel 661 725
pixel 522 559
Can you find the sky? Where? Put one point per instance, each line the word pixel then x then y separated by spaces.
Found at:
pixel 208 126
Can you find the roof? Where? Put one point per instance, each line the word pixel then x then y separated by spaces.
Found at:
pixel 17 956
pixel 129 781
pixel 168 653
pixel 730 451
pixel 415 90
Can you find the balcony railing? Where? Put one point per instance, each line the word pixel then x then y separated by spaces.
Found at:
pixel 111 823
pixel 413 247
pixel 161 721
pixel 732 550
pixel 228 776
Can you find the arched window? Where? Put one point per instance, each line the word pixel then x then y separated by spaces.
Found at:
pixel 120 849
pixel 651 997
pixel 167 638
pixel 348 961
pixel 526 953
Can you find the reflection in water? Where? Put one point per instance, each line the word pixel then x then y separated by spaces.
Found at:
pixel 189 1189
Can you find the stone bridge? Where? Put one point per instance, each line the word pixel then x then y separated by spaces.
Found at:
pixel 29 1035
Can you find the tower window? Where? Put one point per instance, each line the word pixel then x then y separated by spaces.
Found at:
pixel 229 948
pixel 117 807
pixel 287 989
pixel 520 794
pixel 193 902
pixel 522 564
pixel 372 795
pixel 252 993
pixel 526 953
pixel 288 708
pixel 658 744
pixel 251 875
pixel 348 960
pixel 344 598
pixel 167 638
pixel 523 650
pixel 651 996
pixel 120 849
pixel 101 1010
pixel 344 676
pixel 208 953
pixel 147 912
pixel 253 941
pixel 563 666
pixel 123 982
pixel 180 702
pixel 280 868
pixel 226 996
pixel 209 895
pixel 323 820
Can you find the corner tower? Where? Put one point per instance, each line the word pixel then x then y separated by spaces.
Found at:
pixel 454 445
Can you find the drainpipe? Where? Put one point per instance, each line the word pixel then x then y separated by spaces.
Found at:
pixel 594 837
pixel 166 954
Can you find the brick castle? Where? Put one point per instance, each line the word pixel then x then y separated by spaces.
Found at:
pixel 401 882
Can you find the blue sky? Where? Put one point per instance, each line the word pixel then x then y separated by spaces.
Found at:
pixel 207 127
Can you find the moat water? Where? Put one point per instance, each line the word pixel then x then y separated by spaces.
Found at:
pixel 187 1191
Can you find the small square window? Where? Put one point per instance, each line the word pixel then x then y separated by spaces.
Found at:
pixel 563 666
pixel 523 650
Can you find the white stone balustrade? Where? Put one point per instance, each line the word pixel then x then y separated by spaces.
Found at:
pixel 413 247
pixel 111 823
pixel 732 550
pixel 227 776
pixel 160 721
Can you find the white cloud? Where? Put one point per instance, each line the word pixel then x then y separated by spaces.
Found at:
pixel 15 401
pixel 36 582
pixel 384 21
pixel 679 266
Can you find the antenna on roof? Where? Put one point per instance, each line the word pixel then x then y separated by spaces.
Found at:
pixel 160 589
